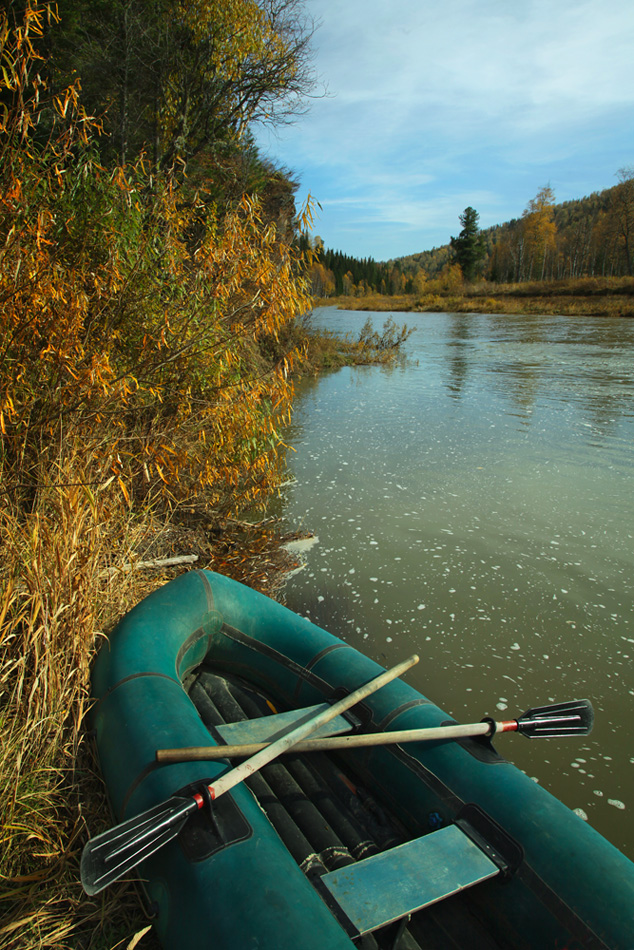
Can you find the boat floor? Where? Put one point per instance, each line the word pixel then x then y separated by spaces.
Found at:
pixel 328 820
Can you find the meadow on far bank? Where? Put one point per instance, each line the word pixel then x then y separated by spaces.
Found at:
pixel 597 296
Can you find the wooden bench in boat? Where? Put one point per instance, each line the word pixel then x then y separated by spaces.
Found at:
pixel 268 728
pixel 393 884
pixel 396 883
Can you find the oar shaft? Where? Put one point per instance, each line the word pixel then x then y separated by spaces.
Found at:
pixel 271 751
pixel 331 743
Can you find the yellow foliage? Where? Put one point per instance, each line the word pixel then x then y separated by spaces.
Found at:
pixel 540 229
pixel 133 323
pixel 116 329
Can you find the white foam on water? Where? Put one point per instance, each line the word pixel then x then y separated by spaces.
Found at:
pixel 301 545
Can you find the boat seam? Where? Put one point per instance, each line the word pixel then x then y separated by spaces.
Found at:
pixel 411 704
pixel 264 649
pixel 127 679
pixel 208 589
pixel 312 662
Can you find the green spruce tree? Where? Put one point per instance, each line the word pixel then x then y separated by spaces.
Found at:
pixel 468 248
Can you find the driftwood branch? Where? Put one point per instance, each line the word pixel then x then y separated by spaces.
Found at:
pixel 149 565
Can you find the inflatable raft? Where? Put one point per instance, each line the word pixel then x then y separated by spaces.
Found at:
pixel 419 845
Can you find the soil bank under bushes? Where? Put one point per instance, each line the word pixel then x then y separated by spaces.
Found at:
pixel 250 551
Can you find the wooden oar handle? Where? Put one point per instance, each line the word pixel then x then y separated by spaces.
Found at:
pixel 199 753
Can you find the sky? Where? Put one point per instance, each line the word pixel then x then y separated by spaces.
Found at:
pixel 435 106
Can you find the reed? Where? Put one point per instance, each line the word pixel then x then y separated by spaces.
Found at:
pixel 135 393
pixel 56 601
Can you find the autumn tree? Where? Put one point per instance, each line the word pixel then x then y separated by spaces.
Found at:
pixel 468 248
pixel 622 213
pixel 322 280
pixel 349 287
pixel 130 316
pixel 176 77
pixel 539 232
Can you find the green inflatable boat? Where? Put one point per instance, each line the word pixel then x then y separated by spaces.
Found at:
pixel 407 846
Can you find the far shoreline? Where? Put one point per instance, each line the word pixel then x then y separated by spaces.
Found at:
pixel 597 297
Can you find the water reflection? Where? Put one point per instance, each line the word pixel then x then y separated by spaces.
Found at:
pixel 536 360
pixel 458 356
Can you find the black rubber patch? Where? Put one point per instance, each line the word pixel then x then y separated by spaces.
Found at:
pixel 479 747
pixel 211 830
pixel 491 838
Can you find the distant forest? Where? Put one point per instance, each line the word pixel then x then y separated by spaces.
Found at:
pixel 588 237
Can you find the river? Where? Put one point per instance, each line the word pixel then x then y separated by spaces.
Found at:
pixel 473 503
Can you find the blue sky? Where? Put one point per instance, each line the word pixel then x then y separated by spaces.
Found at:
pixel 433 106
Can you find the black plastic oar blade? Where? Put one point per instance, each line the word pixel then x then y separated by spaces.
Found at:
pixel 109 856
pixel 575 718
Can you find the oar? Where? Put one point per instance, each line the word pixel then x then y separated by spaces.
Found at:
pixel 110 855
pixel 561 719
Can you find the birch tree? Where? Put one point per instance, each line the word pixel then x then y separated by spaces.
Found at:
pixel 540 232
pixel 622 212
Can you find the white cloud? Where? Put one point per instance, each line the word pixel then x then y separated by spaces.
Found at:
pixel 432 102
pixel 464 60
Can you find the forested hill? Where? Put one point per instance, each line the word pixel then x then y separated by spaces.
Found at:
pixel 588 237
pixel 335 273
pixel 587 241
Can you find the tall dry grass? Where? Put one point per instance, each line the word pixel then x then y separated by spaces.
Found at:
pixel 56 601
pixel 596 296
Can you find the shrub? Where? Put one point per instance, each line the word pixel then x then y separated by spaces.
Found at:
pixel 133 317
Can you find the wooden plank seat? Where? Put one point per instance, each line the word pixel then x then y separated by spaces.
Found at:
pixel 268 728
pixel 394 884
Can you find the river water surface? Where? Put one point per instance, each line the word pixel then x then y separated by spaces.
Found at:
pixel 474 504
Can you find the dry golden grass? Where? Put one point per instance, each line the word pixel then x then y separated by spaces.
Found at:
pixel 598 296
pixel 607 306
pixel 62 588
pixel 56 600
pixel 378 302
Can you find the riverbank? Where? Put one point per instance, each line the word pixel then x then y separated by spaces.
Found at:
pixel 69 573
pixel 142 393
pixel 609 297
pixel 84 553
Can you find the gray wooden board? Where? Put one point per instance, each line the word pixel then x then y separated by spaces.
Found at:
pixel 389 885
pixel 270 727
